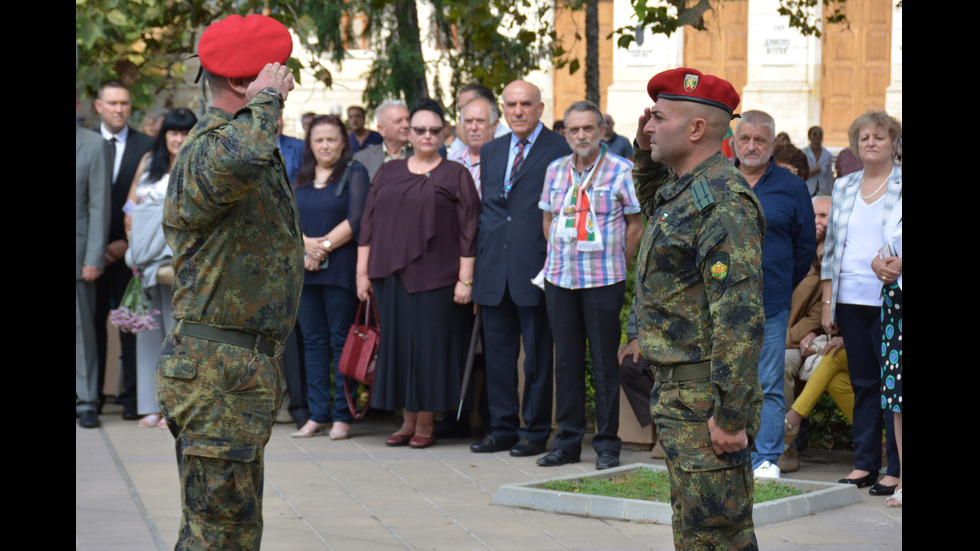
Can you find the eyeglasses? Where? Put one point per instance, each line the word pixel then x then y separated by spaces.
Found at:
pixel 420 131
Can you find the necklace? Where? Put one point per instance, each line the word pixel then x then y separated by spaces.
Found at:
pixel 321 182
pixel 423 169
pixel 873 193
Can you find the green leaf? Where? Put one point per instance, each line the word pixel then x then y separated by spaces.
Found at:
pixel 117 18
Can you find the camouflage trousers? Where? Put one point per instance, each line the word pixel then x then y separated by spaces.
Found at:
pixel 220 402
pixel 711 496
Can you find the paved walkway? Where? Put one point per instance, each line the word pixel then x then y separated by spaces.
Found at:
pixel 358 494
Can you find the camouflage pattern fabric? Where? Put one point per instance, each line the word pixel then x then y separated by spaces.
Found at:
pixel 711 496
pixel 699 299
pixel 231 220
pixel 220 402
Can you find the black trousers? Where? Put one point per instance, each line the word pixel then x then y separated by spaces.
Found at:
pixel 577 315
pixel 860 327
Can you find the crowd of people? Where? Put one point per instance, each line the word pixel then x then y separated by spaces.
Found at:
pixel 519 233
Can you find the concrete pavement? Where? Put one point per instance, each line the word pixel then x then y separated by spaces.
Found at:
pixel 358 494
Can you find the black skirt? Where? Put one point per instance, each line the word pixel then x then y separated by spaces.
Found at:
pixel 422 353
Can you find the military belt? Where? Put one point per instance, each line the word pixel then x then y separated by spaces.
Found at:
pixel 686 372
pixel 237 337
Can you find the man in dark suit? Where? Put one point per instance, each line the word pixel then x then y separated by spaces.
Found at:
pixel 127 147
pixel 511 251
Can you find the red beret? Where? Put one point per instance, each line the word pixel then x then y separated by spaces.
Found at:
pixel 685 84
pixel 239 47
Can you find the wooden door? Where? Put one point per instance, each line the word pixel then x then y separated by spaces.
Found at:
pixel 722 49
pixel 856 66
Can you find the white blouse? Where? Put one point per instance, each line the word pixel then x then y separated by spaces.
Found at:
pixel 858 282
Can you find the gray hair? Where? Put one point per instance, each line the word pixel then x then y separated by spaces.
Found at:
pixel 585 106
pixel 385 105
pixel 758 117
pixel 491 105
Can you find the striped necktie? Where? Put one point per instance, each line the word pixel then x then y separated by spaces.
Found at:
pixel 518 161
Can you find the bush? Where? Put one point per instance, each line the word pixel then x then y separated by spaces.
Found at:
pixel 828 428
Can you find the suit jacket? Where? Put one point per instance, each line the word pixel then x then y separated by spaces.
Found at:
pixel 91 199
pixel 292 153
pixel 373 157
pixel 137 145
pixel 511 245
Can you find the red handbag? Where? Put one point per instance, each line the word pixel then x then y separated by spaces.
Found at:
pixel 360 356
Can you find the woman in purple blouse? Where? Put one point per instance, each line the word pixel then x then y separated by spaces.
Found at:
pixel 416 255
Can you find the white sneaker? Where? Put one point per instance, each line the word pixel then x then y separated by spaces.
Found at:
pixel 766 470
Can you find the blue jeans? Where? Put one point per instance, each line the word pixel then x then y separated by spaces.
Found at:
pixel 772 361
pixel 326 313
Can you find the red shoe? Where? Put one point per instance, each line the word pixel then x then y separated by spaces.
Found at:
pixel 422 441
pixel 398 439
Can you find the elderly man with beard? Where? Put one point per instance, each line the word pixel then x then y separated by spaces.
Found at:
pixel 787 252
pixel 593 223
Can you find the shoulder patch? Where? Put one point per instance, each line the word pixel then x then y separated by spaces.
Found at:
pixel 719 264
pixel 702 195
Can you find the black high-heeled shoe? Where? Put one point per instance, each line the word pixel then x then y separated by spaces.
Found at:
pixel 866 480
pixel 882 490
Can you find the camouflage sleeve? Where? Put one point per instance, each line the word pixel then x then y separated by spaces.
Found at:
pixel 648 176
pixel 730 258
pixel 235 157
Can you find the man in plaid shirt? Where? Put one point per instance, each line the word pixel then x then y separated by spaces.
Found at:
pixel 593 223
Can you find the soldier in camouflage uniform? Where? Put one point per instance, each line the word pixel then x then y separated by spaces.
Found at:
pixel 699 306
pixel 232 223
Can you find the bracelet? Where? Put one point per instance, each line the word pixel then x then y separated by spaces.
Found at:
pixel 826 302
pixel 363 275
pixel 466 283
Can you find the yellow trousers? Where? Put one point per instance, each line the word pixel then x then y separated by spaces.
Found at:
pixel 831 375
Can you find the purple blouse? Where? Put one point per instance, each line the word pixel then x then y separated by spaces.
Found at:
pixel 420 225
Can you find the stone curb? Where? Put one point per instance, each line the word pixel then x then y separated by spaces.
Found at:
pixel 820 496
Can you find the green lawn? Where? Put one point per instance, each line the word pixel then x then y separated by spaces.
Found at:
pixel 651 485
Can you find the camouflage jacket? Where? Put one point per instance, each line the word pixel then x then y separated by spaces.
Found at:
pixel 231 220
pixel 699 279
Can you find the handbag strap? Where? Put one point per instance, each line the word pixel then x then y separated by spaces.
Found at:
pixel 344 178
pixel 364 313
pixel 350 401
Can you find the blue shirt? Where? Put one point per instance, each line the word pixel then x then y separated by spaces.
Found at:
pixel 790 242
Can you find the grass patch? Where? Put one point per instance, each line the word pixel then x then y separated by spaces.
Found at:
pixel 652 485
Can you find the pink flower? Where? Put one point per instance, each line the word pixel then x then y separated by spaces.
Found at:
pixel 134 314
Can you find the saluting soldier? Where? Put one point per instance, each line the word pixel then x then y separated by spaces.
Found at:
pixel 699 306
pixel 232 223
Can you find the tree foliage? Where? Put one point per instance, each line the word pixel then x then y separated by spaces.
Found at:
pixel 147 43
pixel 666 16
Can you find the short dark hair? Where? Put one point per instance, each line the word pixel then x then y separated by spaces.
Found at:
pixel 791 155
pixel 112 83
pixel 482 91
pixel 431 105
